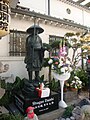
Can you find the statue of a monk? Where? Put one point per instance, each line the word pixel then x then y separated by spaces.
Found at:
pixel 34 51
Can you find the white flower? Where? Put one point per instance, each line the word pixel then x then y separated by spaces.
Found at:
pixel 66 68
pixel 77 78
pixel 70 69
pixel 80 82
pixel 80 86
pixel 59 65
pixel 68 62
pixel 64 53
pixel 63 69
pixel 75 86
pixel 76 83
pixel 60 62
pixel 73 81
pixel 52 66
pixel 85 50
pixel 50 61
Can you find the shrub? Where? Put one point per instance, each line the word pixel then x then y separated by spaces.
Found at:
pixel 68 111
pixel 82 74
pixel 11 117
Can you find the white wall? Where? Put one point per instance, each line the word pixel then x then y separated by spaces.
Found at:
pixel 4 46
pixel 36 5
pixel 58 9
pixel 16 67
pixel 86 18
pixel 20 24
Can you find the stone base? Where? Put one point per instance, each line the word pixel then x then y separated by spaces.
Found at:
pixel 41 105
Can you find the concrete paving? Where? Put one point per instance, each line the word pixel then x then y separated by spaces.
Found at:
pixel 70 98
pixel 52 115
pixel 56 113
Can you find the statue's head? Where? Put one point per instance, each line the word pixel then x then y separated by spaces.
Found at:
pixel 35 29
pixel 30 112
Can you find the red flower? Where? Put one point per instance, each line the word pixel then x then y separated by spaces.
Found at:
pixel 56 63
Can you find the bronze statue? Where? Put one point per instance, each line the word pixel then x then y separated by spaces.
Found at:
pixel 34 51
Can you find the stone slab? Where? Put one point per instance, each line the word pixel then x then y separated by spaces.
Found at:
pixel 41 105
pixel 3 110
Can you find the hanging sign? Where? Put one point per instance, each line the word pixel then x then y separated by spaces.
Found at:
pixel 4 17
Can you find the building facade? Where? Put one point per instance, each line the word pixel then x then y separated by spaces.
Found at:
pixel 56 17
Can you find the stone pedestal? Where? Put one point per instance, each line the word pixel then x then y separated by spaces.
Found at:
pixel 41 105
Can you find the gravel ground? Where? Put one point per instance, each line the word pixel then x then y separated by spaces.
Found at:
pixel 87 117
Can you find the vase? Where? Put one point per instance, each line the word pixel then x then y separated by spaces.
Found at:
pixel 62 78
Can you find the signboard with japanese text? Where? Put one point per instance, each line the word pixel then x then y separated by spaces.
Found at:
pixel 41 105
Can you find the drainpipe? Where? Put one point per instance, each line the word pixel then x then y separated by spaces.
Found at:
pixel 48 7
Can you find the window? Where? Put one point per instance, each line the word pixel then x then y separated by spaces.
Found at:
pixel 54 45
pixel 17 43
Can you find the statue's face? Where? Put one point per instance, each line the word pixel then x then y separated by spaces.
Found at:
pixel 31 111
pixel 6 67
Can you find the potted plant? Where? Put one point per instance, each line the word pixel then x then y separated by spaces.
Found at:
pixel 76 83
pixel 82 74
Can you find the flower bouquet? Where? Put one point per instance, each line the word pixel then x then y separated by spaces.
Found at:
pixel 59 65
